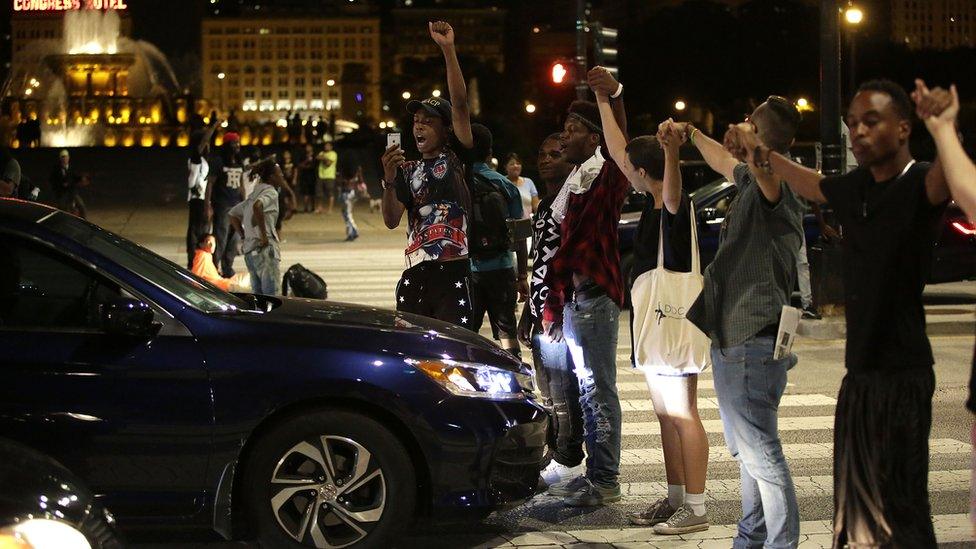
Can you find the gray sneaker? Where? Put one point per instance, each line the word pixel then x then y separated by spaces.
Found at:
pixel 659 511
pixel 567 488
pixel 683 521
pixel 592 495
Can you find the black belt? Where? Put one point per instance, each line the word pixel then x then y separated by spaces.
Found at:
pixel 769 331
pixel 588 291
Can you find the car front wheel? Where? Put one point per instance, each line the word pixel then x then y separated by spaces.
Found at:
pixel 330 479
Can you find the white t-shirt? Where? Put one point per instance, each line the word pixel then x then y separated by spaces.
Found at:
pixel 197 181
pixel 528 191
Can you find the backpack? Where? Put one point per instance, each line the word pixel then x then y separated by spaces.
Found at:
pixel 488 232
pixel 304 283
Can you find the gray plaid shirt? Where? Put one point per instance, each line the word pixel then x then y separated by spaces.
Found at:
pixel 752 275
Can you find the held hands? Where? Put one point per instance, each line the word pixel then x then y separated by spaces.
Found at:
pixel 937 107
pixel 553 329
pixel 743 143
pixel 392 159
pixel 671 135
pixel 442 33
pixel 602 82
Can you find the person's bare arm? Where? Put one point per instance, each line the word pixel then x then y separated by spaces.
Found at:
pixel 392 207
pixel 522 278
pixel 259 221
pixel 671 193
pixel 773 166
pixel 712 151
pixel 953 171
pixel 443 34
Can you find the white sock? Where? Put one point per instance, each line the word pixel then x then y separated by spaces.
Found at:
pixel 696 502
pixel 676 495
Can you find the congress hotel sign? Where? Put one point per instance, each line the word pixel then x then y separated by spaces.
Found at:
pixel 68 5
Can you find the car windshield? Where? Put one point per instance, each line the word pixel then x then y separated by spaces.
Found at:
pixel 705 192
pixel 159 271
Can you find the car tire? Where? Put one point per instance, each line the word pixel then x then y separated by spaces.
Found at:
pixel 329 478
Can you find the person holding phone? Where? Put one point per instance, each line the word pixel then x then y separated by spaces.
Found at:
pixel 433 193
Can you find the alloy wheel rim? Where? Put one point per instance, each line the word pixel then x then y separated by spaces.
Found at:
pixel 328 492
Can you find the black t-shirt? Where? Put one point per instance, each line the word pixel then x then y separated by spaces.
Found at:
pixel 889 231
pixel 677 238
pixel 228 174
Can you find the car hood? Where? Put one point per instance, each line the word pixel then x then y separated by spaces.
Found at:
pixel 348 315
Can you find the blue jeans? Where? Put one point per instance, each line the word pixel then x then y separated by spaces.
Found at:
pixel 590 327
pixel 749 385
pixel 348 200
pixel 561 387
pixel 264 264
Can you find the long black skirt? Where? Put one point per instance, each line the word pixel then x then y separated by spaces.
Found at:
pixel 881 460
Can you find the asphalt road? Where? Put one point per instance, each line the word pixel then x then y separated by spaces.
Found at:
pixel 366 271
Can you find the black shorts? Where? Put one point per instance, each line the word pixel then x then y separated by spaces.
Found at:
pixel 437 289
pixel 494 292
pixel 881 459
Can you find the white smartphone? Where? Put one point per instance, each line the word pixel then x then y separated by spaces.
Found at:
pixel 393 139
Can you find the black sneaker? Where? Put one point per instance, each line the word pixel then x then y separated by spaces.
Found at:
pixel 659 511
pixel 809 313
pixel 567 488
pixel 591 495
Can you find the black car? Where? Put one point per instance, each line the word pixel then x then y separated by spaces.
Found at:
pixel 299 422
pixel 954 256
pixel 44 504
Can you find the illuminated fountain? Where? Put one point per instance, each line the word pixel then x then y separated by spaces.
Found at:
pixel 99 88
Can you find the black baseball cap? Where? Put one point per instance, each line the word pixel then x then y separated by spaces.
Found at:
pixel 435 106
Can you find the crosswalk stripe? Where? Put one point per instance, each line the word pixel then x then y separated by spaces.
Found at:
pixel 815 423
pixel 824 451
pixel 711 403
pixel 729 489
pixel 633 386
pixel 951 528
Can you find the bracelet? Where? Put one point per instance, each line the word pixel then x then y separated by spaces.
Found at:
pixel 691 136
pixel 384 184
pixel 620 90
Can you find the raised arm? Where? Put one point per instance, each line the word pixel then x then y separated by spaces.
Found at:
pixel 712 151
pixel 443 35
pixel 611 111
pixel 392 208
pixel 940 111
pixel 671 193
pixel 744 142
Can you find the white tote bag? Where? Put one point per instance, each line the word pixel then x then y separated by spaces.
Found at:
pixel 665 342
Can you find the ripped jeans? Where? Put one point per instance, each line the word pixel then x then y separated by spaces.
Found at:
pixel 590 328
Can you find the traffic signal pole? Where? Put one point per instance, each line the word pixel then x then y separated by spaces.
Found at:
pixel 581 87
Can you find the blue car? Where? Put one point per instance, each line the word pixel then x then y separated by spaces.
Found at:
pixel 299 423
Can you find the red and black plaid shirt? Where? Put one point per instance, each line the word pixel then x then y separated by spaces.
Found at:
pixel 590 247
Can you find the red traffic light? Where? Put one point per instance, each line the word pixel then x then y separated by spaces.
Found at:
pixel 559 73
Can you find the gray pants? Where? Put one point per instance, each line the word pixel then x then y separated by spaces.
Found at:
pixel 803 276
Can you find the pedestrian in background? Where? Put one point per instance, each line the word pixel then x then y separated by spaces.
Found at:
pixel 351 187
pixel 255 220
pixel 65 184
pixel 328 161
pixel 554 367
pixel 526 187
pixel 890 209
pixel 199 212
pixel 308 179
pixel 225 189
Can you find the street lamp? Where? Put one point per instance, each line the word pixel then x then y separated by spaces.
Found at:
pixel 330 82
pixel 803 105
pixel 680 105
pixel 405 95
pixel 529 108
pixel 220 91
pixel 854 16
pixel 436 93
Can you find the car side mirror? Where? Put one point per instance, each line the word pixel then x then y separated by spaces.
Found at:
pixel 129 317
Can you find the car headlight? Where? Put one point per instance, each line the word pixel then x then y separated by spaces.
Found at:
pixel 43 534
pixel 474 380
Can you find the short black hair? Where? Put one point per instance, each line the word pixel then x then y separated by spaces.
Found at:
pixel 646 152
pixel 555 136
pixel 513 156
pixel 786 122
pixel 899 97
pixel 482 141
pixel 203 239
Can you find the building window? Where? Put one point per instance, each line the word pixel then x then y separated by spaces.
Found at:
pixel 299 81
pixel 300 94
pixel 283 81
pixel 265 94
pixel 282 94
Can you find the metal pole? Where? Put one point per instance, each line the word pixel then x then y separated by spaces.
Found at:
pixel 581 87
pixel 852 77
pixel 830 88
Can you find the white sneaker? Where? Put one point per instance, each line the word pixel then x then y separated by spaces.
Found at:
pixel 556 472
